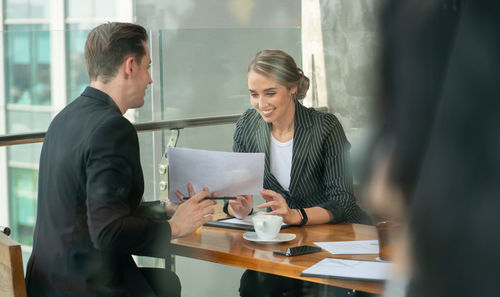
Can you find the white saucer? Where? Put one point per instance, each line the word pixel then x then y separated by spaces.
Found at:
pixel 282 237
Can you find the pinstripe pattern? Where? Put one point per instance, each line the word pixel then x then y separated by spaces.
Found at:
pixel 320 175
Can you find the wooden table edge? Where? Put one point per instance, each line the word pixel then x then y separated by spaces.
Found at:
pixel 293 271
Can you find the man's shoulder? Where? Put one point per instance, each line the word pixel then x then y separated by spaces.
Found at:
pixel 85 115
pixel 85 106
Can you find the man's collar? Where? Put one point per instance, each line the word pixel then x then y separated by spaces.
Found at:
pixel 100 95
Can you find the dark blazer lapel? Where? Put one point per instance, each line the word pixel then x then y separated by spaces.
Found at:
pixel 301 138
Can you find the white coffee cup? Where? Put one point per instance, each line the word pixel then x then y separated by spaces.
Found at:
pixel 267 226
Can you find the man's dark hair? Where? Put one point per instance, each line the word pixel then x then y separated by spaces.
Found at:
pixel 109 44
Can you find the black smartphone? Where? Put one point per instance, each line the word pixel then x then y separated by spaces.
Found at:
pixel 298 250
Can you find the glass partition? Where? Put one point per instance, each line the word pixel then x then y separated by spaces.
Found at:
pixel 23 187
pixel 196 73
pixel 76 71
pixel 27 64
pixel 203 71
pixel 26 9
pixel 198 70
pixel 90 8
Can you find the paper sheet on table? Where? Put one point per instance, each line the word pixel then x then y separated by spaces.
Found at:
pixel 226 173
pixel 356 247
pixel 246 221
pixel 350 269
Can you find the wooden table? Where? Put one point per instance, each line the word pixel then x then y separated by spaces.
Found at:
pixel 227 246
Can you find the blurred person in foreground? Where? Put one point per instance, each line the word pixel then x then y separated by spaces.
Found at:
pixel 307 179
pixel 439 150
pixel 90 217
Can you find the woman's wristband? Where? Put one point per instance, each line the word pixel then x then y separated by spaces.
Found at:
pixel 303 214
pixel 225 208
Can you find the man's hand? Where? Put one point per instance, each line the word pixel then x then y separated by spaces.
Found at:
pixel 171 207
pixel 191 214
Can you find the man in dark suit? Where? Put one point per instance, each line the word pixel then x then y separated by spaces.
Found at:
pixel 90 217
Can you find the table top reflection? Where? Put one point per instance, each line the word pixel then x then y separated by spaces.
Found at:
pixel 227 246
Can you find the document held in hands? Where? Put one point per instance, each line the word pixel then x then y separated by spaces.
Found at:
pixel 226 173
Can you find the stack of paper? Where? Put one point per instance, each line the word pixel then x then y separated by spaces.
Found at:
pixel 234 223
pixel 350 269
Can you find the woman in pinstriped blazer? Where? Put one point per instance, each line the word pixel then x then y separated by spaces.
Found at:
pixel 306 150
pixel 306 178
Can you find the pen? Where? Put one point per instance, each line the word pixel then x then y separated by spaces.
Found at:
pixel 216 198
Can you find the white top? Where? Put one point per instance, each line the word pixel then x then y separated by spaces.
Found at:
pixel 281 161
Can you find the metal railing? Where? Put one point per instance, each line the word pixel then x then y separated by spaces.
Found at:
pixel 24 138
pixel 33 137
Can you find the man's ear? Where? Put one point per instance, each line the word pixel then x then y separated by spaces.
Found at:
pixel 128 67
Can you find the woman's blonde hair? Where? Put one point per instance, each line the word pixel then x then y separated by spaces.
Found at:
pixel 280 67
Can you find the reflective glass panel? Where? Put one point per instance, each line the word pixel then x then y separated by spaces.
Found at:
pixel 27 61
pixel 203 71
pixel 23 188
pixel 77 78
pixel 90 8
pixel 26 9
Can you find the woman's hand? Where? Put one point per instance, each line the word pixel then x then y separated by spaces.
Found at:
pixel 241 206
pixel 279 207
pixel 190 192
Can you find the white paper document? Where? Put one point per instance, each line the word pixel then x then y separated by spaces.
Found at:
pixel 246 221
pixel 226 173
pixel 350 269
pixel 356 247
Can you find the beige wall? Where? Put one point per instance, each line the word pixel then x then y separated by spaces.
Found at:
pixel 350 38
